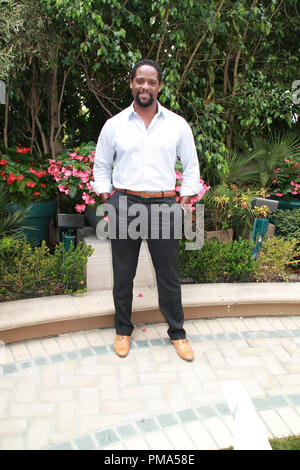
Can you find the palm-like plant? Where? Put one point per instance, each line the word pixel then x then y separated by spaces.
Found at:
pixel 267 154
pixel 10 223
pixel 235 168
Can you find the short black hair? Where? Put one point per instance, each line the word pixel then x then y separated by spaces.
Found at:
pixel 147 62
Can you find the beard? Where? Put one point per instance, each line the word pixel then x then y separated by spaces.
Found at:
pixel 144 104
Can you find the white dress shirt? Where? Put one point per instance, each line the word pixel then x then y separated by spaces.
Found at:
pixel 145 158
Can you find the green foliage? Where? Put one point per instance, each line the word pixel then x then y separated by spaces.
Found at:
pixel 286 443
pixel 32 272
pixel 230 207
pixel 228 67
pixel 287 224
pixel 234 262
pixel 274 257
pixel 10 223
pixel 10 22
pixel 218 262
pixel 286 181
pixel 26 177
pixel 268 153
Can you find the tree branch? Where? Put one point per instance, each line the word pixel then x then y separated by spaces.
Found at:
pixel 196 49
pixel 164 33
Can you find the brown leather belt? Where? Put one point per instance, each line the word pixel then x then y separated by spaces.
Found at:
pixel 147 194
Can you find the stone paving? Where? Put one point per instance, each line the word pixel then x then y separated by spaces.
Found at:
pixel 72 392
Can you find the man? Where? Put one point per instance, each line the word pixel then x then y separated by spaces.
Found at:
pixel 146 138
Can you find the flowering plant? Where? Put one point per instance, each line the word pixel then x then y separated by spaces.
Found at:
pixel 227 206
pixel 286 182
pixel 197 197
pixel 72 173
pixel 26 176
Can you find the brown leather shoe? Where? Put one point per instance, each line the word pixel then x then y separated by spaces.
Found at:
pixel 183 349
pixel 122 345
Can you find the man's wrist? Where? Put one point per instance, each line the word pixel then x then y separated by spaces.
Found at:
pixel 104 196
pixel 185 200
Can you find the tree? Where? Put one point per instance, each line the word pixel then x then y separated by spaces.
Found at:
pixel 228 67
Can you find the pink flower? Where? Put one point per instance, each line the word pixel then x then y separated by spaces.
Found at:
pixel 178 175
pixel 80 207
pixel 87 199
pixel 63 189
pixel 66 172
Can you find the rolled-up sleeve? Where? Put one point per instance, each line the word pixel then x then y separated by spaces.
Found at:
pixel 104 155
pixel 190 164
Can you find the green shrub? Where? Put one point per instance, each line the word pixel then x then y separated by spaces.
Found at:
pixel 274 257
pixel 218 262
pixel 32 272
pixel 287 224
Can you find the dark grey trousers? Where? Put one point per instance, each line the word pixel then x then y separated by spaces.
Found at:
pixel 164 255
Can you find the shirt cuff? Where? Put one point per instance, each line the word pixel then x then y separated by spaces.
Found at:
pixel 186 190
pixel 101 188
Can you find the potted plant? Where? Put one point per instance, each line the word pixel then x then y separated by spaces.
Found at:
pixel 197 197
pixel 29 186
pixel 72 172
pixel 228 212
pixel 11 224
pixel 285 186
pixel 266 155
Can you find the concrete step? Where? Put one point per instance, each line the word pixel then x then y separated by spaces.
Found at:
pixel 48 316
pixel 99 266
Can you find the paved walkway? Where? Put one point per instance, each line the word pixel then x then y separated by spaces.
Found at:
pixel 72 392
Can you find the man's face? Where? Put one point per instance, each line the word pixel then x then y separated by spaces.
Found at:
pixel 145 86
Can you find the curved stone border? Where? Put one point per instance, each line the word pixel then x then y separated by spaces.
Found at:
pixel 48 316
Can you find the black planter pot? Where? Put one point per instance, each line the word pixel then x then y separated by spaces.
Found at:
pixel 70 221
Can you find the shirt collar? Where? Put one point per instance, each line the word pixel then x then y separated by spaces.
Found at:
pixel 160 110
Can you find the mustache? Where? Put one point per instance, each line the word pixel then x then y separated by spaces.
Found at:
pixel 144 93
